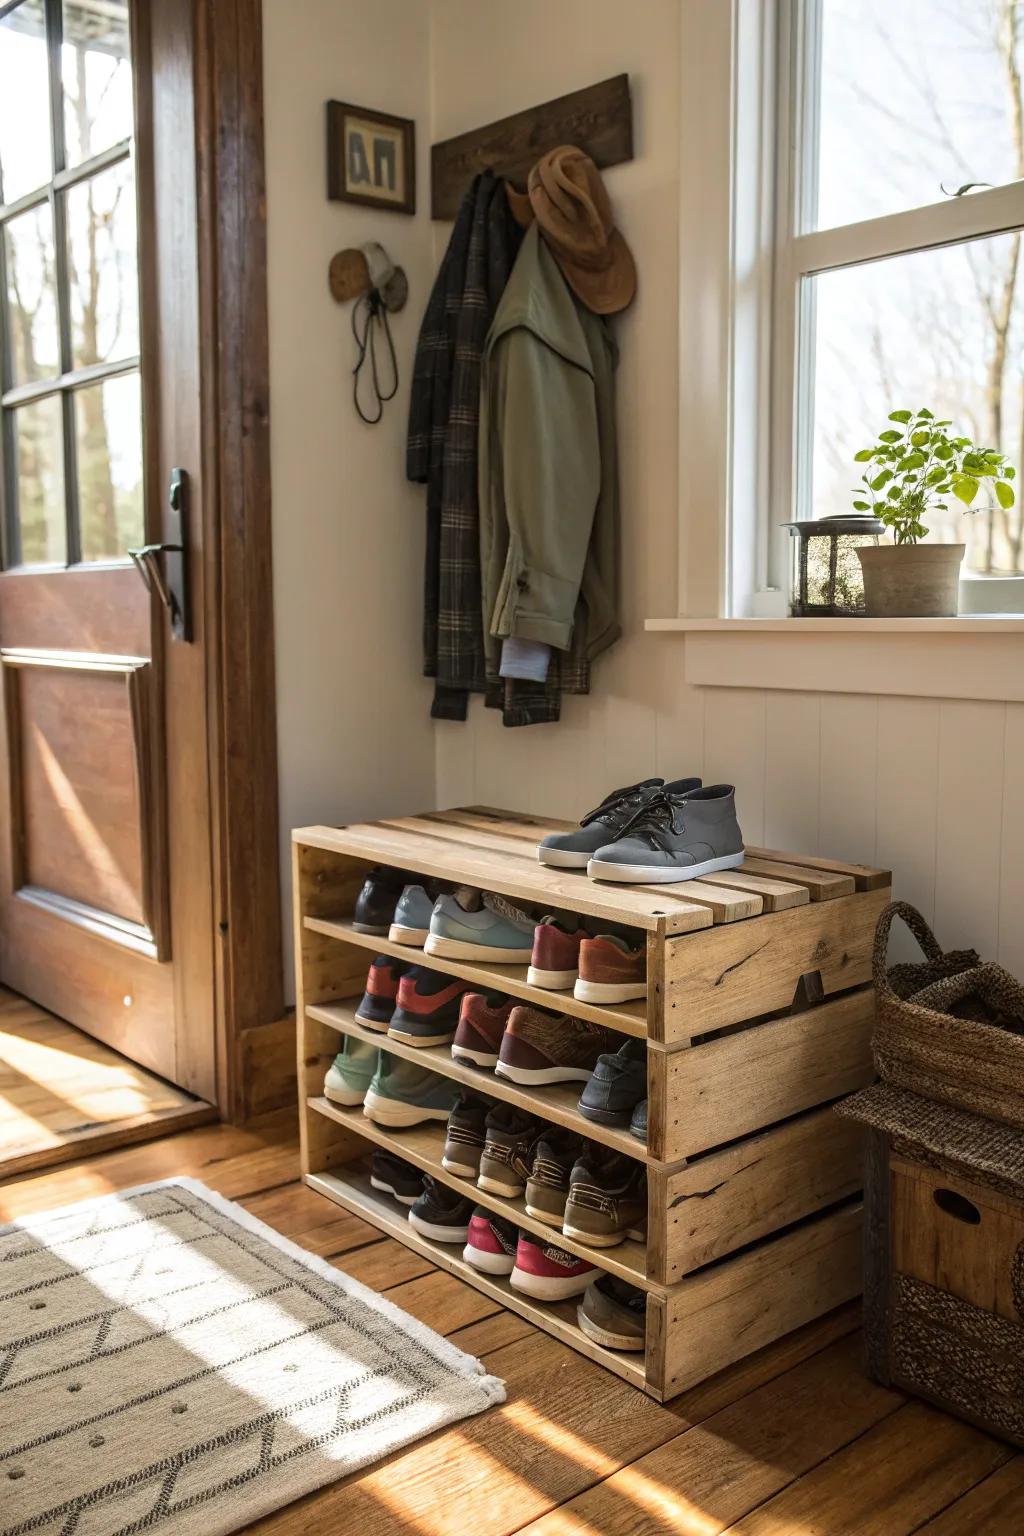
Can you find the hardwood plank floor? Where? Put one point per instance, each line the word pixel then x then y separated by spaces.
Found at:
pixel 62 1091
pixel 794 1441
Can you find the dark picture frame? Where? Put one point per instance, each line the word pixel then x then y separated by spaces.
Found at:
pixel 371 158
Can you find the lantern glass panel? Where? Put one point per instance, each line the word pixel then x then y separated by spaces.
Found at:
pixel 827 581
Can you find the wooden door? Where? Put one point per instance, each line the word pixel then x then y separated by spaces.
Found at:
pixel 106 909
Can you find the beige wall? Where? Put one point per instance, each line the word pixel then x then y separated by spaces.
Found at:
pixel 934 788
pixel 354 733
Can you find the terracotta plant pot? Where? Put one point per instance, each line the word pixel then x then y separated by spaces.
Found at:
pixel 911 581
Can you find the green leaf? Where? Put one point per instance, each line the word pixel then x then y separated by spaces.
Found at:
pixel 881 480
pixel 900 416
pixel 924 414
pixel 936 474
pixel 890 437
pixel 862 506
pixel 1009 472
pixel 965 489
pixel 918 439
pixel 894 493
pixel 945 452
pixel 1004 494
pixel 863 456
pixel 912 461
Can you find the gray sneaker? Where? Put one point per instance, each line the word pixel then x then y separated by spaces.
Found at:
pixel 574 850
pixel 674 837
pixel 411 922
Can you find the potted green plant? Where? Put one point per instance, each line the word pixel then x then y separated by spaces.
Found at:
pixel 914 466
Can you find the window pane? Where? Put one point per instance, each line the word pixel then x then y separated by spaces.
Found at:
pixel 108 427
pixel 97 75
pixel 942 329
pixel 31 295
pixel 103 267
pixel 916 96
pixel 39 471
pixel 25 160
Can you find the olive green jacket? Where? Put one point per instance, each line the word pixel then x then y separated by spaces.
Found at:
pixel 549 506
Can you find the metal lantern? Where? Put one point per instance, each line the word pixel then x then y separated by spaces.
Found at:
pixel 827 581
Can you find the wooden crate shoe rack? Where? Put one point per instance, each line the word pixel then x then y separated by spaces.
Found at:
pixel 758 1017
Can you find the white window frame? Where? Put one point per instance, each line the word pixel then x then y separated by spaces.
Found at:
pixel 768 337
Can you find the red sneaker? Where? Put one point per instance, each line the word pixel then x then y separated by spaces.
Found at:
pixel 490 1244
pixel 555 961
pixel 381 994
pixel 547 1272
pixel 482 1020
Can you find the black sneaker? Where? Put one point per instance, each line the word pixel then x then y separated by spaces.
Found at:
pixel 509 1140
pixel 440 1213
pixel 396 1177
pixel 381 994
pixel 638 1124
pixel 376 902
pixel 464 1140
pixel 616 1085
pixel 427 1007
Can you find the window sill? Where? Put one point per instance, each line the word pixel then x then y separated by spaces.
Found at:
pixel 928 660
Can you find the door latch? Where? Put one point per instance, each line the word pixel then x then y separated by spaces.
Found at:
pixel 164 567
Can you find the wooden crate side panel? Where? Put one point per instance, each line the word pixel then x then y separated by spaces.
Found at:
pixel 748 1191
pixel 744 1303
pixel 742 970
pixel 719 1091
pixel 324 970
pixel 974 1260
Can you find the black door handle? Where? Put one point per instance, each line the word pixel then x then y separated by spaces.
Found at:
pixel 170 581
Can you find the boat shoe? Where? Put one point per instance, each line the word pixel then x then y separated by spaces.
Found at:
pixel 574 849
pixel 674 837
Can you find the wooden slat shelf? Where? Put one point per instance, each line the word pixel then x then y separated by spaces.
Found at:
pixel 758 1017
pixel 627 1018
pixel 423 1145
pixel 555 1102
pixel 355 1193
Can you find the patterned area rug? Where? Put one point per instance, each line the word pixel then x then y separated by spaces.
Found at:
pixel 170 1364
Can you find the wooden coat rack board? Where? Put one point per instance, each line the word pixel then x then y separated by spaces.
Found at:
pixel 599 119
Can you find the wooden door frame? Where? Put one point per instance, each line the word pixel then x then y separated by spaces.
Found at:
pixel 235 426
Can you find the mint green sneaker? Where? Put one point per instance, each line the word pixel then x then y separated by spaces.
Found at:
pixel 404 1093
pixel 351 1071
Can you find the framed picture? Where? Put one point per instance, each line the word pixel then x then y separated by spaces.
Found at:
pixel 371 158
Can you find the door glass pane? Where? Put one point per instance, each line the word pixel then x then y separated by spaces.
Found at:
pixel 942 329
pixel 916 96
pixel 103 267
pixel 108 428
pixel 39 473
pixel 97 75
pixel 25 159
pixel 31 295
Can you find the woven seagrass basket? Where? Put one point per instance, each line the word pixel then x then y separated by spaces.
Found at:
pixel 949 1028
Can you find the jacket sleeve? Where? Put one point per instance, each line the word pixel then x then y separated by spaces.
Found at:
pixel 550 467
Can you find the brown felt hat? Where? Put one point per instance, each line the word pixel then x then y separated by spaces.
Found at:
pixel 571 207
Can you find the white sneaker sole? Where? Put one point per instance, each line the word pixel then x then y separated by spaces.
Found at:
pixel 604 1239
pixel 608 991
pixel 495 1187
pixel 414 936
pixel 555 981
pixel 562 858
pixel 389 1189
pixel 475 1058
pixel 461 1170
pixel 438 1234
pixel 379 1027
pixel 459 949
pixel 393 1113
pixel 347 1096
pixel 550 1287
pixel 604 1336
pixel 398 1033
pixel 540 1075
pixel 488 1263
pixel 547 1217
pixel 660 874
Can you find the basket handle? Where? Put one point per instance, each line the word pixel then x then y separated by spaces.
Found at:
pixel 918 927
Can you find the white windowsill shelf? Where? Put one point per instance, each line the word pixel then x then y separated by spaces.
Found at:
pixel 916 658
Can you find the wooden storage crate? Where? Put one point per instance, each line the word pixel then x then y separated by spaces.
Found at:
pixel 944 1256
pixel 758 1017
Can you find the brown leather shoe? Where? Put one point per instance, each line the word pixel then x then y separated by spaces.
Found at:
pixel 611 970
pixel 539 1047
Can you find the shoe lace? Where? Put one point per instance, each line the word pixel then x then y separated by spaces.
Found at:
pixel 658 815
pixel 619 801
pixel 505 908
